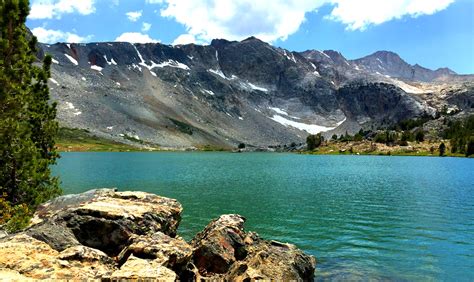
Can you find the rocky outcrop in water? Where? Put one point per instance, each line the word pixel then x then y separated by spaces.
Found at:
pixel 110 235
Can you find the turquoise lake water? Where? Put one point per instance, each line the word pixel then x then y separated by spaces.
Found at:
pixel 362 217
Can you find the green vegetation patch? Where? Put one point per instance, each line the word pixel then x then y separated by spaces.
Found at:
pixel 182 126
pixel 80 140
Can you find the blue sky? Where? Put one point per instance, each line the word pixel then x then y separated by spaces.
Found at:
pixel 432 33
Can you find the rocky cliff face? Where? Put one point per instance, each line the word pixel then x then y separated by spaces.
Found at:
pixel 230 92
pixel 109 235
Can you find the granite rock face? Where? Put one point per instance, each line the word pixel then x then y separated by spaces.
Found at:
pixel 109 235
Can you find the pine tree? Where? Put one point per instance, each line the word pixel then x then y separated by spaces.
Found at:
pixel 27 119
pixel 442 149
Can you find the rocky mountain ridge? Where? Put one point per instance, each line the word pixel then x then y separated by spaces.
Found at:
pixel 230 92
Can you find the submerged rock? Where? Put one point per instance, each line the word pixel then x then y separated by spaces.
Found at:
pixel 110 235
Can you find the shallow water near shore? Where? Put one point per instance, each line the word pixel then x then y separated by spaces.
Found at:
pixel 362 217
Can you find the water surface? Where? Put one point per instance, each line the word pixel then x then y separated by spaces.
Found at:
pixel 362 217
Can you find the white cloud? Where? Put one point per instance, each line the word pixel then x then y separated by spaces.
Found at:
pixel 154 1
pixel 358 15
pixel 272 20
pixel 135 37
pixel 48 9
pixel 134 16
pixel 266 19
pixel 184 39
pixel 53 36
pixel 146 27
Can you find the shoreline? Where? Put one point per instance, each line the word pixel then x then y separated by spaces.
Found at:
pixel 323 151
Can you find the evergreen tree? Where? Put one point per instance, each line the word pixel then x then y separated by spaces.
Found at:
pixel 27 120
pixel 314 141
pixel 442 149
pixel 470 147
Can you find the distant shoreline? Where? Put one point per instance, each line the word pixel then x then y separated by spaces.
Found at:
pixel 339 148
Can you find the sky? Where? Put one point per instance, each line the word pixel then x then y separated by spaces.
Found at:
pixel 431 33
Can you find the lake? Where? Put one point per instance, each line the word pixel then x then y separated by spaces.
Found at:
pixel 362 217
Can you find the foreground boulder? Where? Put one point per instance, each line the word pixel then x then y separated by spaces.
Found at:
pixel 224 250
pixel 109 235
pixel 104 219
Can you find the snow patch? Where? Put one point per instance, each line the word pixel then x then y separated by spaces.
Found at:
pixel 169 63
pixel 118 83
pixel 68 46
pixel 217 56
pixel 74 61
pixel 207 91
pixel 97 68
pixel 153 73
pixel 255 87
pixel 110 127
pixel 241 118
pixel 279 111
pixel 282 112
pixel 324 54
pixel 292 58
pixel 54 81
pixel 219 73
pixel 310 128
pixel 54 61
pixel 112 61
pixel 70 106
pixel 83 78
pixel 136 67
pixel 190 57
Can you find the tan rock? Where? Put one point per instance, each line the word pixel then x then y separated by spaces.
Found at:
pixel 271 260
pixel 163 249
pixel 137 268
pixel 224 248
pixel 12 275
pixel 34 259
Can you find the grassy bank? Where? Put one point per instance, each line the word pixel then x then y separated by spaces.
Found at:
pixel 81 140
pixel 426 148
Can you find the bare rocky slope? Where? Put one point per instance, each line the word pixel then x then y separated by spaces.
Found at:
pixel 230 92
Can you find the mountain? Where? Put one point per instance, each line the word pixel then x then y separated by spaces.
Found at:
pixel 230 92
pixel 389 63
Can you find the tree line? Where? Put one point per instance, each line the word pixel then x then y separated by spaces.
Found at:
pixel 459 132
